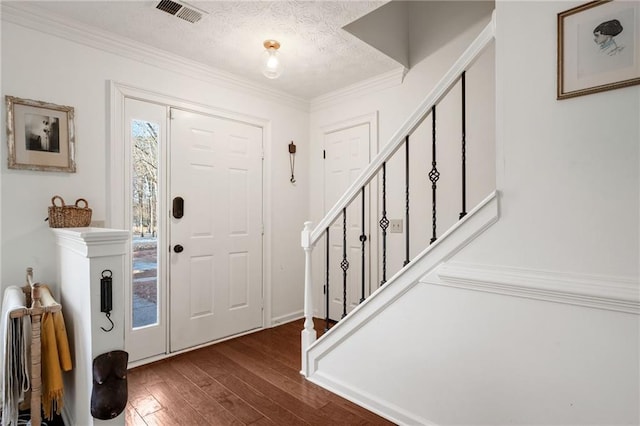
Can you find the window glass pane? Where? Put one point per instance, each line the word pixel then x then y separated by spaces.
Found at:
pixel 144 226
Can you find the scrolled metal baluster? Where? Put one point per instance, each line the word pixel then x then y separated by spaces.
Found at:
pixel 384 223
pixel 345 263
pixel 434 175
pixel 363 239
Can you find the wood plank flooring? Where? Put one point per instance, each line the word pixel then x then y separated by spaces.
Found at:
pixel 252 380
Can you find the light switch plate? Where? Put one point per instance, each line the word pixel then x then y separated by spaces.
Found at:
pixel 395 226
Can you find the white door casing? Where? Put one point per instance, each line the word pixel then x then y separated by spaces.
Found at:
pixel 216 281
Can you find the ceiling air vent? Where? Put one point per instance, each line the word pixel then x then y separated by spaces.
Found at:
pixel 181 10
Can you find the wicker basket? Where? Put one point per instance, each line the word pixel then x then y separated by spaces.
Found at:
pixel 64 216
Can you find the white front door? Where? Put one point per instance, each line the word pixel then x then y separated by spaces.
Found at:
pixel 346 154
pixel 216 246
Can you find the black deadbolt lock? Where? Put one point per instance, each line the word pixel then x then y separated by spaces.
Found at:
pixel 178 207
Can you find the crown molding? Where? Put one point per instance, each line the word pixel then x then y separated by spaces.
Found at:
pixel 621 294
pixel 34 18
pixel 380 82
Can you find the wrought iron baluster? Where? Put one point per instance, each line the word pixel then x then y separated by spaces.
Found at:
pixel 345 263
pixel 406 201
pixel 326 286
pixel 463 213
pixel 363 239
pixel 384 223
pixel 434 174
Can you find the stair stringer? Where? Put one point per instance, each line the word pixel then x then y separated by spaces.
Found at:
pixel 450 243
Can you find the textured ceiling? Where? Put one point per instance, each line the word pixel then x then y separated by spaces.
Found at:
pixel 318 56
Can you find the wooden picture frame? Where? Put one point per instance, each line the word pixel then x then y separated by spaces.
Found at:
pixel 598 47
pixel 40 135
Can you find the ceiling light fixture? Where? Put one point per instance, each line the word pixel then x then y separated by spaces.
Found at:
pixel 272 67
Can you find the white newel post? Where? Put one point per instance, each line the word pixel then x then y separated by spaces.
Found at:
pixel 83 254
pixel 309 332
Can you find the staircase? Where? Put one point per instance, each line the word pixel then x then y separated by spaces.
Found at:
pixel 356 357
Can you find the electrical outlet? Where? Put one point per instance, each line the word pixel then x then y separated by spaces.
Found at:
pixel 395 226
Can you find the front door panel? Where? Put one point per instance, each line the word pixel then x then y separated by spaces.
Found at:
pixel 216 279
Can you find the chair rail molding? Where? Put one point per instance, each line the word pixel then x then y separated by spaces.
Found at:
pixel 614 293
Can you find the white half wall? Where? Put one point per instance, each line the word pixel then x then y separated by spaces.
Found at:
pixel 451 356
pixel 41 66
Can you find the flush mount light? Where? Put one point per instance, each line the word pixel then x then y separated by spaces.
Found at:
pixel 271 67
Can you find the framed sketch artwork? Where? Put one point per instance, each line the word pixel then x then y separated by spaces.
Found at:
pixel 598 47
pixel 40 135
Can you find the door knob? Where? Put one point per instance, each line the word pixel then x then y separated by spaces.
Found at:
pixel 178 248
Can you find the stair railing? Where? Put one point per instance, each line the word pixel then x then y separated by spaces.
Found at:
pixel 427 107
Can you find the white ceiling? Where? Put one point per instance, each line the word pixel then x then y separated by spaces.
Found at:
pixel 317 54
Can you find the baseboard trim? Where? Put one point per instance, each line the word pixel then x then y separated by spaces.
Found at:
pixel 283 319
pixel 362 398
pixel 620 294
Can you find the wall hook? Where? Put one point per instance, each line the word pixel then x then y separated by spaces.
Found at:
pixel 292 161
pixel 108 314
pixel 106 298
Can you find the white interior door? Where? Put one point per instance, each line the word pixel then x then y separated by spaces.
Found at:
pixel 346 154
pixel 216 279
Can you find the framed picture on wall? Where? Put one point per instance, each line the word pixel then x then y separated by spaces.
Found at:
pixel 598 47
pixel 40 135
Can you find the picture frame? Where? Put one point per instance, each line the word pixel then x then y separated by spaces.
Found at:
pixel 598 47
pixel 40 135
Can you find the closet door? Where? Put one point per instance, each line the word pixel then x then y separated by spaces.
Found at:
pixel 146 146
pixel 347 154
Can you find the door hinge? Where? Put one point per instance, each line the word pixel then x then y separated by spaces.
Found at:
pixel 324 154
pixel 324 289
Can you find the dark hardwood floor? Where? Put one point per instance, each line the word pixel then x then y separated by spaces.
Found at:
pixel 251 380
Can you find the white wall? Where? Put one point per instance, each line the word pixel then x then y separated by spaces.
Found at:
pixel 39 66
pixel 567 170
pixel 496 348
